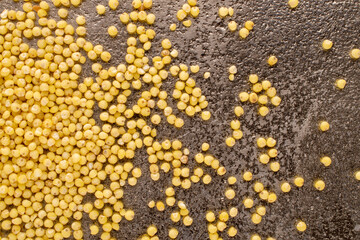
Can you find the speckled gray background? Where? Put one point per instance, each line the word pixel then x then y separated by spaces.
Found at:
pixel 304 77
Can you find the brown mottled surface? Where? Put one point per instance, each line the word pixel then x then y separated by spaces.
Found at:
pixel 304 77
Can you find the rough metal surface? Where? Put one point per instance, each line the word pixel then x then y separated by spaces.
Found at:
pixel 304 77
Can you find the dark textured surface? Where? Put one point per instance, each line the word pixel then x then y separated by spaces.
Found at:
pixel 304 77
